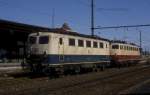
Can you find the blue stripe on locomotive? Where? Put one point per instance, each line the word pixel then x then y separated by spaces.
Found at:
pixel 56 59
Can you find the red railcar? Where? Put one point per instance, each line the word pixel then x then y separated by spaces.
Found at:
pixel 124 53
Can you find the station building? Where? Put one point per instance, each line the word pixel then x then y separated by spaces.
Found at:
pixel 13 40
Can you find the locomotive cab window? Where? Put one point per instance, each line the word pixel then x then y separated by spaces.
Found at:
pixel 32 40
pixel 80 43
pixel 115 46
pixel 71 42
pixel 43 39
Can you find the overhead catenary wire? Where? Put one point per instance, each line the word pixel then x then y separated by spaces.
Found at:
pixel 124 26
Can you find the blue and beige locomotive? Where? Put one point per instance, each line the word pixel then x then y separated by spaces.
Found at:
pixel 67 50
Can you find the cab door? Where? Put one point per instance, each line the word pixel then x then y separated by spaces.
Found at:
pixel 61 49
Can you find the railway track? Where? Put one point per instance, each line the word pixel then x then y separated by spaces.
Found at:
pixel 83 84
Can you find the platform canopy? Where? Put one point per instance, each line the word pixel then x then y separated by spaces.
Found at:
pixel 13 38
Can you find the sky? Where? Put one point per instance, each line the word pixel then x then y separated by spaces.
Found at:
pixel 78 15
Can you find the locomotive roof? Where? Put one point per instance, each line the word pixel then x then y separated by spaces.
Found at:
pixel 62 31
pixel 123 42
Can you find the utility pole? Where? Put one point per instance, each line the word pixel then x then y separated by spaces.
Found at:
pixel 140 41
pixel 92 17
pixel 53 18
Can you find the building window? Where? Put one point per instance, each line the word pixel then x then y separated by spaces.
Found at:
pixel 88 43
pixel 43 39
pixel 80 43
pixel 115 46
pixel 95 44
pixel 60 41
pixel 101 45
pixel 71 42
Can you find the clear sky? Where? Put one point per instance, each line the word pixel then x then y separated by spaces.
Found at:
pixel 77 14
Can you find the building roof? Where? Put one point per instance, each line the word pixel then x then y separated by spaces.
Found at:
pixel 20 26
pixel 5 24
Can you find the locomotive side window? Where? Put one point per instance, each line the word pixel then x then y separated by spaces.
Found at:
pixel 71 42
pixel 43 40
pixel 95 44
pixel 80 43
pixel 101 45
pixel 115 46
pixel 60 41
pixel 88 43
pixel 32 40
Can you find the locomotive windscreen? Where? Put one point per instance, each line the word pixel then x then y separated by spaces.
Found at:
pixel 43 40
pixel 32 40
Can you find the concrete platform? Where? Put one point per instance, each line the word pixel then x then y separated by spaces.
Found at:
pixel 10 66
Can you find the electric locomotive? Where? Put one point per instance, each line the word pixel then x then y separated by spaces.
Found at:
pixel 63 51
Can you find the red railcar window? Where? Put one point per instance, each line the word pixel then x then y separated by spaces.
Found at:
pixel 121 47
